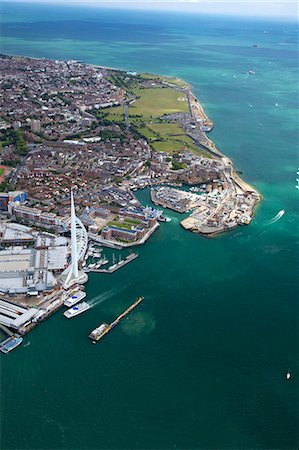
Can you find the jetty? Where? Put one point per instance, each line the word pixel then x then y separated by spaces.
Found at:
pixel 104 328
pixel 117 265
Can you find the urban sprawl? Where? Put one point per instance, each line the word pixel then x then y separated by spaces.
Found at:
pixel 96 135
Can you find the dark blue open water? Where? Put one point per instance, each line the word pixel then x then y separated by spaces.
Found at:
pixel 202 362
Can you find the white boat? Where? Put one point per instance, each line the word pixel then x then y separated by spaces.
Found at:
pixel 74 299
pixel 167 219
pixel 76 310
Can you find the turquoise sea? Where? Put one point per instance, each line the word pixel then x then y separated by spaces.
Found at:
pixel 201 364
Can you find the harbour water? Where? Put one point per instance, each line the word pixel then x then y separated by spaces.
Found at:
pixel 202 362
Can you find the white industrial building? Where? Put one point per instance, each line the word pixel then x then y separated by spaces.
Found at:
pixel 29 260
pixel 14 316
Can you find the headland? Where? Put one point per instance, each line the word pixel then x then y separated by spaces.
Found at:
pixel 98 134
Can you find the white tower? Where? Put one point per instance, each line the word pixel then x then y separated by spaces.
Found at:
pixel 79 242
pixel 73 273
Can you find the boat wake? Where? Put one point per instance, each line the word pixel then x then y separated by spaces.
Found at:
pixel 97 300
pixel 277 217
pixel 27 345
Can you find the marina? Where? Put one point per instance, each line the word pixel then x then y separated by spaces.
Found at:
pixel 117 265
pixel 104 328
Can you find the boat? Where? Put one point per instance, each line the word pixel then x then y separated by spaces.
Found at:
pixel 11 343
pixel 288 375
pixel 168 219
pixel 76 310
pixel 251 72
pixel 74 299
pixel 98 332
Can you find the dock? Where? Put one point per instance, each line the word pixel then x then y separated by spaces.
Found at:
pixel 118 265
pixel 104 328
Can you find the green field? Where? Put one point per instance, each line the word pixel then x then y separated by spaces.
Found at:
pixel 169 129
pixel 1 171
pixel 168 137
pixel 125 224
pixel 176 81
pixel 156 102
pixel 114 113
pixel 145 113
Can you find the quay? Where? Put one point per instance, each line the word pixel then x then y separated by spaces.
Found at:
pixel 118 265
pixel 104 328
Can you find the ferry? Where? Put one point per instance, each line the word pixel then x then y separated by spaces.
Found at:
pixel 11 343
pixel 76 310
pixel 74 299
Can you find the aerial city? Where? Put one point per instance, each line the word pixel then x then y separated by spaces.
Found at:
pixel 148 183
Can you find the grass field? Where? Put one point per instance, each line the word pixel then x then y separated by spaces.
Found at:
pixel 125 224
pixel 176 81
pixel 168 137
pixel 151 104
pixel 168 129
pixel 3 170
pixel 156 102
pixel 114 114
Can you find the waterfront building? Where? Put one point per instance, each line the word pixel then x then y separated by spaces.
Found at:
pixel 29 259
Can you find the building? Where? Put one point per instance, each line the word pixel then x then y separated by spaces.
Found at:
pixel 35 125
pixel 12 196
pixel 36 216
pixel 29 260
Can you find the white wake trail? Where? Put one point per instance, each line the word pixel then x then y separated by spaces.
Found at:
pixel 98 299
pixel 277 217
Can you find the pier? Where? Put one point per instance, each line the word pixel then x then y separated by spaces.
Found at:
pixel 118 265
pixel 104 328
